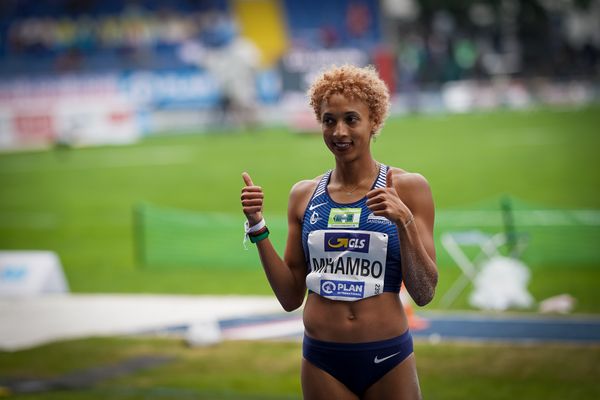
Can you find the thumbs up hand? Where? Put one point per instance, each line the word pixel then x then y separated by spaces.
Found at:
pixel 386 202
pixel 389 179
pixel 252 200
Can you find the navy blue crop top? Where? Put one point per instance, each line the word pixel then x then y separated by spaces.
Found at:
pixel 350 253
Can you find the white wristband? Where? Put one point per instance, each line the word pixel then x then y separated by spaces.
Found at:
pixel 254 228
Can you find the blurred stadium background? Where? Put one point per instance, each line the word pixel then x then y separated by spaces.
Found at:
pixel 125 126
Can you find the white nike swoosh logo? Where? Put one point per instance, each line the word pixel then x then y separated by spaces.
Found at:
pixel 313 206
pixel 380 360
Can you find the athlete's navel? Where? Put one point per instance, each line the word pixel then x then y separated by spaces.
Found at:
pixel 351 317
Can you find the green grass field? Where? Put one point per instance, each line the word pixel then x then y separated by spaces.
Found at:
pixel 80 202
pixel 271 370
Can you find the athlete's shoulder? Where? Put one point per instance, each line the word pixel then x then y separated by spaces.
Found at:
pixel 411 186
pixel 300 194
pixel 304 187
pixel 408 179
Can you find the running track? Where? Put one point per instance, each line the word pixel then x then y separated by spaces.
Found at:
pixel 448 326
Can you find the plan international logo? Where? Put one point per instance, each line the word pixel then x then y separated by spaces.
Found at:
pixel 351 289
pixel 347 241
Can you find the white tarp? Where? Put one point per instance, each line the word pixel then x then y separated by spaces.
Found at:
pixel 32 321
pixel 501 284
pixel 31 273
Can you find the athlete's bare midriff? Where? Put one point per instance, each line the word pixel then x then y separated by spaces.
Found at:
pixel 372 319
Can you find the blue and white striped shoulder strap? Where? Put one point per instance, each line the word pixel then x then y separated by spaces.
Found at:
pixel 322 184
pixel 381 178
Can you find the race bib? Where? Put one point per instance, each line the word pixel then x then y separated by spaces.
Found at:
pixel 346 265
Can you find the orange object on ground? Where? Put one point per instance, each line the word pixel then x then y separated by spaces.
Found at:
pixel 415 323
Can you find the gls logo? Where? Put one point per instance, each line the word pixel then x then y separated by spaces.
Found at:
pixel 346 241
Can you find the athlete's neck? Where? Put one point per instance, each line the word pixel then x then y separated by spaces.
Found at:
pixel 355 173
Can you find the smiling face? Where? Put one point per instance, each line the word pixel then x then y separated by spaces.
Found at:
pixel 347 128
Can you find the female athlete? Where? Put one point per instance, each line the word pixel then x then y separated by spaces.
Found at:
pixel 355 234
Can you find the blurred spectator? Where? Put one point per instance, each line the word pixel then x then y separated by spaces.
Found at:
pixel 358 19
pixel 411 56
pixel 69 61
pixel 233 61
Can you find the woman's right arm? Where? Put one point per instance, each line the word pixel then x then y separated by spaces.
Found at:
pixel 286 276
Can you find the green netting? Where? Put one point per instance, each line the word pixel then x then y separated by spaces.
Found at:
pixel 552 236
pixel 172 237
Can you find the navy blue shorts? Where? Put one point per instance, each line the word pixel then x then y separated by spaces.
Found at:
pixel 358 365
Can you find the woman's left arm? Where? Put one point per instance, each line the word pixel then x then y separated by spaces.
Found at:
pixel 407 201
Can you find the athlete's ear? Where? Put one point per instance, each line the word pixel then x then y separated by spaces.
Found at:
pixel 389 180
pixel 247 179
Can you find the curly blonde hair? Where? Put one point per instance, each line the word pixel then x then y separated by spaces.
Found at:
pixel 354 83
